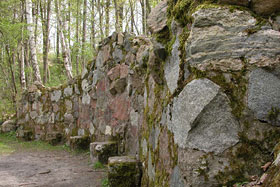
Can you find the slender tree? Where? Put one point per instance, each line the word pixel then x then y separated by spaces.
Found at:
pixel 33 55
pixel 107 18
pixel 45 7
pixel 64 46
pixel 84 32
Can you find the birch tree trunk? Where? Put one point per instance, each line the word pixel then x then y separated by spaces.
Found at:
pixel 22 67
pixel 64 46
pixel 84 32
pixel 100 12
pixel 33 56
pixel 117 26
pixel 45 7
pixel 93 24
pixel 107 18
pixel 77 46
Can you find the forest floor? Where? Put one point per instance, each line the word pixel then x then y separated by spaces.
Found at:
pixel 30 164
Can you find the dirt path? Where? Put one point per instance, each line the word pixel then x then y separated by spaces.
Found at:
pixel 49 168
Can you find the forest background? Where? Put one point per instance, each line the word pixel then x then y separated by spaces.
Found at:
pixel 51 41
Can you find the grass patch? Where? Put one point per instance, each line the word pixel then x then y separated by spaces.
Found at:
pixel 5 149
pixel 9 143
pixel 105 182
pixel 98 165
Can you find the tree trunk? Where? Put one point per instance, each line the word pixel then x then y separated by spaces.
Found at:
pixel 117 26
pixel 57 43
pixel 11 59
pixel 120 12
pixel 142 2
pixel 84 33
pixel 33 57
pixel 64 46
pixel 77 46
pixel 148 10
pixel 107 18
pixel 93 25
pixel 100 12
pixel 22 68
pixel 45 16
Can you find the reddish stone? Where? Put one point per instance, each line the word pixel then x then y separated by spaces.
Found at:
pixel 38 129
pixel 114 73
pixel 119 107
pixel 114 123
pixel 93 104
pixel 85 124
pixel 123 71
pixel 106 53
pixel 130 58
pixel 101 86
pixel 55 108
pixel 164 155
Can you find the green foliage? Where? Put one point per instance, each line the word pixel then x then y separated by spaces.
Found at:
pixel 10 143
pixel 98 165
pixel 182 10
pixel 105 182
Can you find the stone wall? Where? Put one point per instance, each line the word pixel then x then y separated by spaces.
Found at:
pixel 198 103
pixel 105 103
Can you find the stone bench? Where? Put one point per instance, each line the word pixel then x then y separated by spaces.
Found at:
pixel 124 171
pixel 79 142
pixel 54 138
pixel 102 151
pixel 26 135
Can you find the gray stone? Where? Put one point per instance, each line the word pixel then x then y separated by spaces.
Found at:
pixel 76 88
pixel 123 171
pixel 97 74
pixel 201 118
pixel 42 119
pixel 118 86
pixel 84 72
pixel 68 105
pixel 153 139
pixel 235 2
pixel 55 95
pixel 142 55
pixel 81 132
pixel 134 118
pixel 118 55
pixel 86 99
pixel 103 56
pixel 101 151
pixel 276 23
pixel 79 142
pixel 265 7
pixel 52 118
pixel 144 147
pixel 8 126
pixel 68 118
pixel 172 67
pixel 151 168
pixel 68 91
pixel 120 39
pixel 85 85
pixel 219 40
pixel 127 44
pixel 176 178
pixel 157 19
pixel 263 94
pixel 33 115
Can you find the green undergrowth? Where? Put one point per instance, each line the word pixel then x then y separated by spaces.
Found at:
pixel 105 182
pixel 98 165
pixel 9 144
